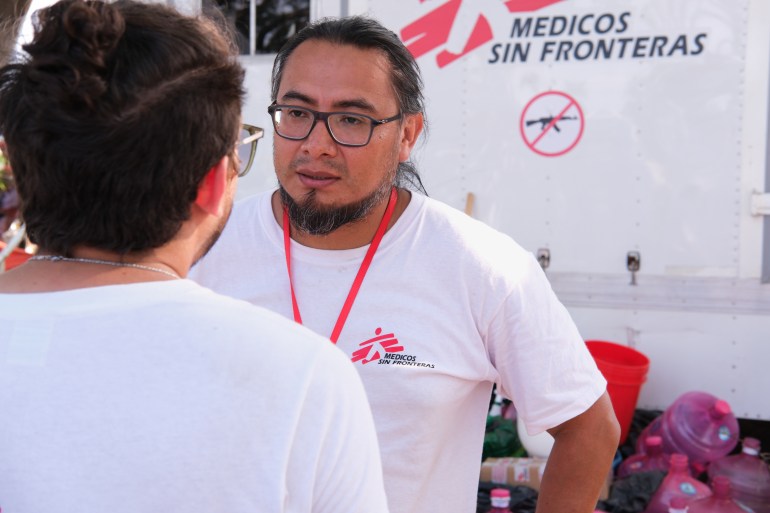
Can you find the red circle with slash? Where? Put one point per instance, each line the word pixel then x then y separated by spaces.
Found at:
pixel 552 123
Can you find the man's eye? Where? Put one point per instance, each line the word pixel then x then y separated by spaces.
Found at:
pixel 351 120
pixel 296 113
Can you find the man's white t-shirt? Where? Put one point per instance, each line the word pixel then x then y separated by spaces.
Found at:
pixel 448 307
pixel 165 397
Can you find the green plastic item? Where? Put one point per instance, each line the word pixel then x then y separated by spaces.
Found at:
pixel 501 440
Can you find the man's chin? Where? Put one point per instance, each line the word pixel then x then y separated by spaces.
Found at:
pixel 310 216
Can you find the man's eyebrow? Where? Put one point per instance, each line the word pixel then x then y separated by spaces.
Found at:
pixel 296 95
pixel 353 103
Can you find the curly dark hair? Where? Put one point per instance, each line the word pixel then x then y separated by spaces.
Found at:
pixel 367 33
pixel 113 120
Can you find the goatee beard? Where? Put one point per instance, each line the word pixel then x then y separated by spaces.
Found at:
pixel 310 217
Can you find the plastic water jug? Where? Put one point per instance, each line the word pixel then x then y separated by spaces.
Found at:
pixel 698 425
pixel 677 505
pixel 653 458
pixel 501 500
pixel 749 476
pixel 677 483
pixel 719 502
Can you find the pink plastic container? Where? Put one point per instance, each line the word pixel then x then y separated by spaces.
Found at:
pixel 653 458
pixel 719 502
pixel 698 425
pixel 749 476
pixel 677 505
pixel 677 483
pixel 501 500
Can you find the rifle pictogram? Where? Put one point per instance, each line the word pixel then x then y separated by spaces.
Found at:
pixel 545 121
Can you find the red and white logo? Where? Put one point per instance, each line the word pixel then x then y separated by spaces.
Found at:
pixel 458 27
pixel 374 348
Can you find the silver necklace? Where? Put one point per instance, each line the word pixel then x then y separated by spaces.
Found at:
pixel 57 258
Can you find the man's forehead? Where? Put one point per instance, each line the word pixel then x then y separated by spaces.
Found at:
pixel 337 57
pixel 336 74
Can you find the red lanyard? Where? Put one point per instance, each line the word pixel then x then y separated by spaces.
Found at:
pixel 361 270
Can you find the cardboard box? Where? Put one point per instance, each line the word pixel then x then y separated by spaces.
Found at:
pixel 513 471
pixel 524 472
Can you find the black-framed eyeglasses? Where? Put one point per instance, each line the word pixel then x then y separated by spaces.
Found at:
pixel 246 145
pixel 346 128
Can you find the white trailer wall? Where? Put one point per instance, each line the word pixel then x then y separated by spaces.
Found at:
pixel 672 151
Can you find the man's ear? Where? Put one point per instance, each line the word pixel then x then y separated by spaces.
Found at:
pixel 212 188
pixel 411 129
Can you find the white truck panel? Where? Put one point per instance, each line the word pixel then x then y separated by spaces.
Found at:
pixel 718 353
pixel 672 156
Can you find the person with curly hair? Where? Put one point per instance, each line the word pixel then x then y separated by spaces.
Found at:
pixel 125 387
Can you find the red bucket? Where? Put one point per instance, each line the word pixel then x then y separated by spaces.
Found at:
pixel 625 370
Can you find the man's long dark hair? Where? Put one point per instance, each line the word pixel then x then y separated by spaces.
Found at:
pixel 367 33
pixel 114 118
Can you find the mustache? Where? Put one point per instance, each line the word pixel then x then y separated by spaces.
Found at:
pixel 306 161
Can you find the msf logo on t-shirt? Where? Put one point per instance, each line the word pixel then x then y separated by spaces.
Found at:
pixel 374 348
pixel 386 350
pixel 458 27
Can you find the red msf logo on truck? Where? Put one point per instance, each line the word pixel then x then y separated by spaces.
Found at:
pixel 434 29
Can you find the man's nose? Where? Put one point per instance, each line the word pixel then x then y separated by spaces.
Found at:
pixel 320 141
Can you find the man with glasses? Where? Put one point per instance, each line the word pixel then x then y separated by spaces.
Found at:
pixel 123 386
pixel 432 306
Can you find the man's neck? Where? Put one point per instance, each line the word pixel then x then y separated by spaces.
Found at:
pixel 352 235
pixel 88 268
